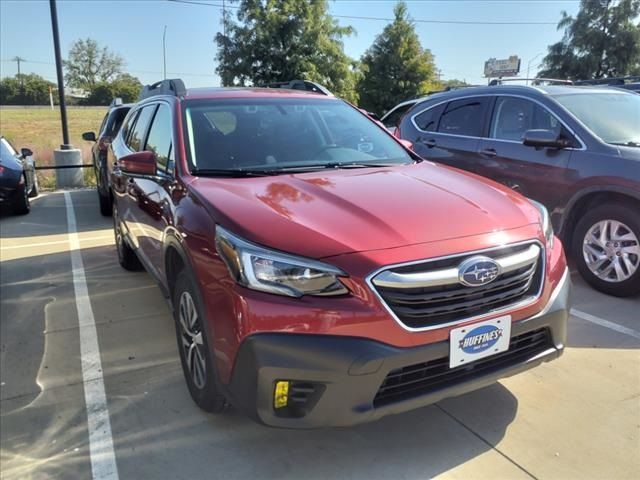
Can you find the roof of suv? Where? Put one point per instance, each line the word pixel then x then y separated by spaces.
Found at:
pixel 249 92
pixel 519 89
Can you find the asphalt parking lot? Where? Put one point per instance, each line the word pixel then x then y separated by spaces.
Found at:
pixel 577 417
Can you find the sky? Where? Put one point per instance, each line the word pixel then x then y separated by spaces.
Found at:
pixel 134 29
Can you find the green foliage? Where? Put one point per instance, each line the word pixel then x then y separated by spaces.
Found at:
pixel 282 40
pixel 453 83
pixel 24 89
pixel 124 86
pixel 602 41
pixel 88 64
pixel 396 67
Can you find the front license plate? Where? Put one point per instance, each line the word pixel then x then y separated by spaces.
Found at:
pixel 479 340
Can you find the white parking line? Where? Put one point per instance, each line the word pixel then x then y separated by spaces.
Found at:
pixel 605 323
pixel 57 242
pixel 103 459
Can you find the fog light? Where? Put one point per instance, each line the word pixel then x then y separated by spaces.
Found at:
pixel 281 394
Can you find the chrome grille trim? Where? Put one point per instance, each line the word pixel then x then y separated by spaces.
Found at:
pixel 511 262
pixel 449 276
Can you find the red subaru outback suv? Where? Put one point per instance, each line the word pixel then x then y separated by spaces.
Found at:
pixel 320 273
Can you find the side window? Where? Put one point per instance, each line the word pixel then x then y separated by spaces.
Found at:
pixel 464 117
pixel 394 117
pixel 126 128
pixel 103 125
pixel 160 136
pixel 427 121
pixel 138 131
pixel 514 116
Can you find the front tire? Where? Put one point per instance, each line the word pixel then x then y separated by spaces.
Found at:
pixel 606 248
pixel 193 345
pixel 106 205
pixel 126 255
pixel 22 206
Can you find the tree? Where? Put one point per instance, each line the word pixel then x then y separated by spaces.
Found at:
pixel 396 67
pixel 24 89
pixel 88 64
pixel 124 86
pixel 282 40
pixel 602 41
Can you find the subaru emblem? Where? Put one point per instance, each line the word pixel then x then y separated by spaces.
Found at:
pixel 477 271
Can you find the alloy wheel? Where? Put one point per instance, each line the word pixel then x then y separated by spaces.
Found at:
pixel 192 341
pixel 611 250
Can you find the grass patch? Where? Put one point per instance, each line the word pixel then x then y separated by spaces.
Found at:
pixel 40 129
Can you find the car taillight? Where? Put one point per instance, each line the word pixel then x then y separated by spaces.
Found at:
pixel 103 143
pixel 396 133
pixel 1 169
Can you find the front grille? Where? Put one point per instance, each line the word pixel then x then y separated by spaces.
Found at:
pixel 422 378
pixel 429 294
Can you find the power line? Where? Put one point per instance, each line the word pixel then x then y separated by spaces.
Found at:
pixel 385 19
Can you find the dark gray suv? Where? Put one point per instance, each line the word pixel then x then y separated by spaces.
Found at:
pixel 574 149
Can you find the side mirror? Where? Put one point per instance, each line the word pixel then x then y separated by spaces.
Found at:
pixel 406 143
pixel 26 152
pixel 544 138
pixel 140 163
pixel 89 136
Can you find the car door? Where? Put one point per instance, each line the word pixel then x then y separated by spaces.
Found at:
pixel 130 203
pixel 450 132
pixel 538 173
pixel 153 193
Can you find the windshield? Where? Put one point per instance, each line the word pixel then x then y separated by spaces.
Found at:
pixel 614 117
pixel 6 150
pixel 275 135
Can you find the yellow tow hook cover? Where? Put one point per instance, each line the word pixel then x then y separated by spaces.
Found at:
pixel 281 394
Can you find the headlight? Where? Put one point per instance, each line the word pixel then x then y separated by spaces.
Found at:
pixel 266 270
pixel 545 222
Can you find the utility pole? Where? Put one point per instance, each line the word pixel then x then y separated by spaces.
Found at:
pixel 164 52
pixel 529 65
pixel 56 45
pixel 18 60
pixel 67 158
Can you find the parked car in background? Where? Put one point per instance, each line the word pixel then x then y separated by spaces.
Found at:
pixel 107 131
pixel 574 149
pixel 18 181
pixel 392 118
pixel 320 272
pixel 628 83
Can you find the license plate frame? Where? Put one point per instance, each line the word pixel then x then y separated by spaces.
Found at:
pixel 479 340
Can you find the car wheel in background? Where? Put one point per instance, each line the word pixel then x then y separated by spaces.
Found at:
pixel 21 205
pixel 196 358
pixel 606 247
pixel 126 255
pixel 105 204
pixel 34 192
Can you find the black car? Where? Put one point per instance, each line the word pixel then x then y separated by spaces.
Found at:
pixel 18 181
pixel 108 130
pixel 574 149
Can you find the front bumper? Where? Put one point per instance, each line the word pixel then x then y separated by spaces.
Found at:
pixel 336 379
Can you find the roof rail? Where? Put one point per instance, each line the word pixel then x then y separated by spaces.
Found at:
pixel 171 86
pixel 305 85
pixel 534 81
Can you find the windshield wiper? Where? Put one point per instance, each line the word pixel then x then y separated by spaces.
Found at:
pixel 231 172
pixel 339 165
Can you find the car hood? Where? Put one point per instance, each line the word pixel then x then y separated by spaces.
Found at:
pixel 630 153
pixel 344 211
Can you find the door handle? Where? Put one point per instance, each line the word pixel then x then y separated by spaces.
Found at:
pixel 429 143
pixel 489 152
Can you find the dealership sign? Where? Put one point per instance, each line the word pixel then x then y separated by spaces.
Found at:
pixel 509 67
